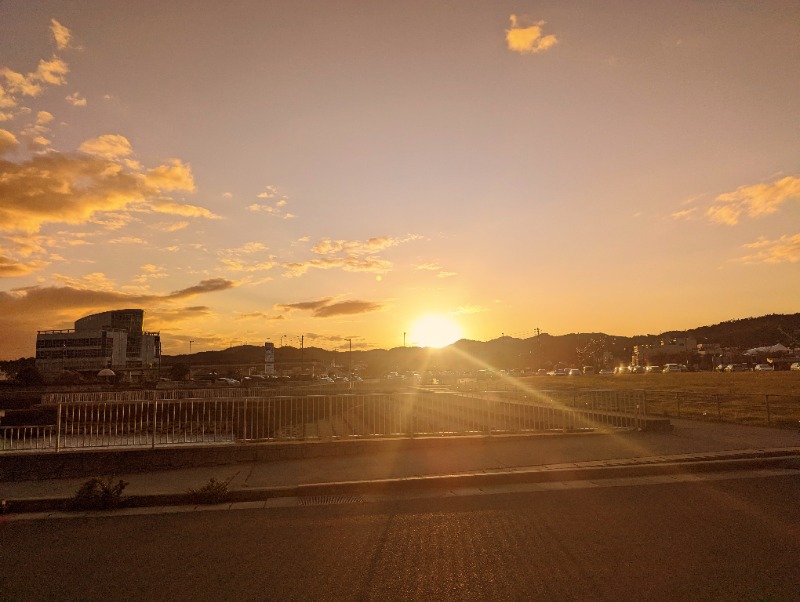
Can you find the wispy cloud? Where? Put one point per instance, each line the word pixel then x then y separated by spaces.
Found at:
pixel 76 100
pixel 468 309
pixel 785 249
pixel 275 203
pixel 685 214
pixel 754 200
pixel 327 307
pixel 61 34
pixel 239 259
pixel 349 255
pixel 11 267
pixel 260 315
pixel 525 36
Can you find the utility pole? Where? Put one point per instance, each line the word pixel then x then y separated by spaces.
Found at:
pixel 190 347
pixel 404 340
pixel 302 357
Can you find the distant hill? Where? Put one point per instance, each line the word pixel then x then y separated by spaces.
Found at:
pixel 749 332
pixel 508 352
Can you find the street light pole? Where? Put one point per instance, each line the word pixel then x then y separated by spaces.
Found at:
pixel 190 347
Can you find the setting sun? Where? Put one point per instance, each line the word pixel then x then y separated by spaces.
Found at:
pixel 434 331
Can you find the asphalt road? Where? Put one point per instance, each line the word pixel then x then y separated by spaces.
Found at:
pixel 707 540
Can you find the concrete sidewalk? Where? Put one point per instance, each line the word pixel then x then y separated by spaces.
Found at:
pixel 462 461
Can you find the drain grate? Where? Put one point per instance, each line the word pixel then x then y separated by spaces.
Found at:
pixel 328 500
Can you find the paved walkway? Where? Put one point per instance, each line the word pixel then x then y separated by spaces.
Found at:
pixel 690 440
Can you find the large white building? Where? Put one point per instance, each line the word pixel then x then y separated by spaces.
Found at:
pixel 112 339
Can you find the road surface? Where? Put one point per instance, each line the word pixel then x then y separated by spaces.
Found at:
pixel 735 539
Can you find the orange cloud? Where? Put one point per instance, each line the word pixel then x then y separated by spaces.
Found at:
pixel 528 39
pixel 325 308
pixel 75 99
pixel 109 146
pixel 61 187
pixel 8 141
pixel 785 249
pixel 753 201
pixel 10 267
pixel 61 34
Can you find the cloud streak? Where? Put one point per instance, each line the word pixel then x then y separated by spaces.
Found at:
pixel 326 307
pixel 785 249
pixel 349 255
pixel 754 201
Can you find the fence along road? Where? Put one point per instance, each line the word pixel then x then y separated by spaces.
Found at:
pixel 231 416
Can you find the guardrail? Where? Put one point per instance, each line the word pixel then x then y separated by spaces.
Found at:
pixel 142 422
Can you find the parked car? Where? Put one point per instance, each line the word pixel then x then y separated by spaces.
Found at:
pixel 672 368
pixel 637 369
pixel 622 370
pixel 737 368
pixel 652 369
pixel 541 372
pixel 795 366
pixel 764 368
pixel 574 372
pixel 227 381
pixel 606 372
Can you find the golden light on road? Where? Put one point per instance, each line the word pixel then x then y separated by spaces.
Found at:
pixel 434 330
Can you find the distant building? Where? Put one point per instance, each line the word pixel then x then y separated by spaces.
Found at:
pixel 667 348
pixel 111 339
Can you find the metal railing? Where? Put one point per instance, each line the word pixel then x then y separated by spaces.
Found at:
pixel 158 422
pixel 771 409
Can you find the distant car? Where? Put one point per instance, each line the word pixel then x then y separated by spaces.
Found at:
pixel 638 369
pixel 764 368
pixel 672 368
pixel 541 372
pixel 227 381
pixel 574 372
pixel 652 369
pixel 795 366
pixel 622 370
pixel 737 368
pixel 588 369
pixel 606 372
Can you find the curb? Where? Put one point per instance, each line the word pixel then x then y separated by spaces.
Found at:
pixel 737 462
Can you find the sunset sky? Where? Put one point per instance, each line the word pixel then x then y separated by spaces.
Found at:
pixel 340 169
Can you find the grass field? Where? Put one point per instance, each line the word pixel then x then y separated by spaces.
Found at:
pixel 761 398
pixel 755 383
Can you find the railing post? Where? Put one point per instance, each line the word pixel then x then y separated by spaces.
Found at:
pixel 58 428
pixel 155 411
pixel 769 416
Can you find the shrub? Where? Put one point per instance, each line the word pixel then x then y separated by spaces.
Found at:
pixel 98 494
pixel 213 492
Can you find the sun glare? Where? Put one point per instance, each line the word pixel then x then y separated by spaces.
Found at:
pixel 435 331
